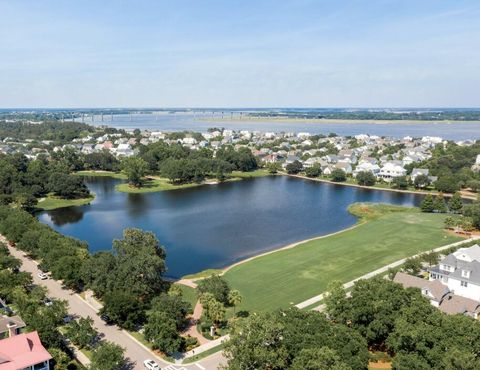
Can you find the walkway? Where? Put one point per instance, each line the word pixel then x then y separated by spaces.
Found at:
pixel 382 270
pixel 135 351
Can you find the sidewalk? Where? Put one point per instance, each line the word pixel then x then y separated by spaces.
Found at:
pixel 383 269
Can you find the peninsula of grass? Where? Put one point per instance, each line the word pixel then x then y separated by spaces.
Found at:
pixel 384 235
pixel 154 183
pixel 50 202
pixel 115 175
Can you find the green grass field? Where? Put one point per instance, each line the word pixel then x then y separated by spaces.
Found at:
pixel 385 234
pixel 188 294
pixel 51 202
pixel 116 175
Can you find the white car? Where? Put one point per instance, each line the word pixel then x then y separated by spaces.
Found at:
pixel 42 276
pixel 151 365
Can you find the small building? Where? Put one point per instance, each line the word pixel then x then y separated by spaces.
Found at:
pixel 10 326
pixel 24 352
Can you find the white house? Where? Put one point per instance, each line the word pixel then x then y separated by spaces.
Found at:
pixel 391 170
pixel 365 166
pixel 460 272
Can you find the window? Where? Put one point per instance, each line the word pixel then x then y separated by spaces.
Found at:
pixel 463 283
pixel 465 273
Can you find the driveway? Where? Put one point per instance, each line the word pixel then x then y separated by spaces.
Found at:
pixel 134 351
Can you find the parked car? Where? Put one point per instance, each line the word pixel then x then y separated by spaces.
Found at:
pixel 42 276
pixel 106 318
pixel 47 301
pixel 151 365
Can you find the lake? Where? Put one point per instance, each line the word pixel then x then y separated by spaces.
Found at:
pixel 213 226
pixel 199 122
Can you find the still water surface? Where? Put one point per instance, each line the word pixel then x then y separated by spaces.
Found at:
pixel 213 226
pixel 201 122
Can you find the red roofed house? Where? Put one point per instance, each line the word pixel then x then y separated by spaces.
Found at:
pixel 24 352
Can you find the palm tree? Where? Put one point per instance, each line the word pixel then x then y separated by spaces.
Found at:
pixel 234 298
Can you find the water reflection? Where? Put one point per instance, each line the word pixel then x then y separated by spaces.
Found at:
pixel 216 225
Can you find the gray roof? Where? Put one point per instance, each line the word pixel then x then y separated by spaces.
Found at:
pixel 460 264
pixel 6 320
pixel 454 304
pixel 434 287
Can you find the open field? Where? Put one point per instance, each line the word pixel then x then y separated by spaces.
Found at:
pixel 51 202
pixel 385 234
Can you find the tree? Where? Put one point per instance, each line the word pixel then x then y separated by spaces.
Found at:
pixel 107 356
pixel 427 204
pixel 421 181
pixel 447 184
pixel 234 299
pixel 161 330
pixel 81 332
pixel 455 203
pixel 215 311
pixel 473 211
pixel 449 222
pixel 412 266
pixel 294 167
pixel 336 302
pixel 273 167
pixel 322 358
pixel 400 182
pixel 135 168
pixel 338 175
pixel 365 178
pixel 140 264
pixel 215 285
pixel 67 186
pixel 123 308
pixel 439 204
pixel 60 359
pixel 174 307
pixel 313 171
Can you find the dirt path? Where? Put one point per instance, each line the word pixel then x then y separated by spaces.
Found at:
pixel 192 326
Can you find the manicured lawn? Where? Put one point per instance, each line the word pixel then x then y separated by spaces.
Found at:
pixel 207 353
pixel 188 294
pixel 257 173
pixel 51 202
pixel 203 274
pixel 291 276
pixel 153 185
pixel 116 175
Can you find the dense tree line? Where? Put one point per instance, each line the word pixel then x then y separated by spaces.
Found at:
pixel 403 323
pixel 294 339
pixel 182 165
pixel 378 315
pixel 23 180
pixel 59 132
pixel 452 165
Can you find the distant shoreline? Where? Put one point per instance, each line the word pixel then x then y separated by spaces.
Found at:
pixel 333 121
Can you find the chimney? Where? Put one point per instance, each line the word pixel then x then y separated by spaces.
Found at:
pixel 12 329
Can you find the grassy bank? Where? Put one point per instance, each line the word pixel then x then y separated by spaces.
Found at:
pixel 51 202
pixel 290 276
pixel 116 175
pixel 188 294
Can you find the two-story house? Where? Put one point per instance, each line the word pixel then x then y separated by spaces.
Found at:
pixel 460 272
pixel 24 352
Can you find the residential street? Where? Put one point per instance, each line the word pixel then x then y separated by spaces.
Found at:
pixel 133 350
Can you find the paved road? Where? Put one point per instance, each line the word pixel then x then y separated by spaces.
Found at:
pixel 133 350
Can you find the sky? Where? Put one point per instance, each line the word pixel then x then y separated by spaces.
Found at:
pixel 239 53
